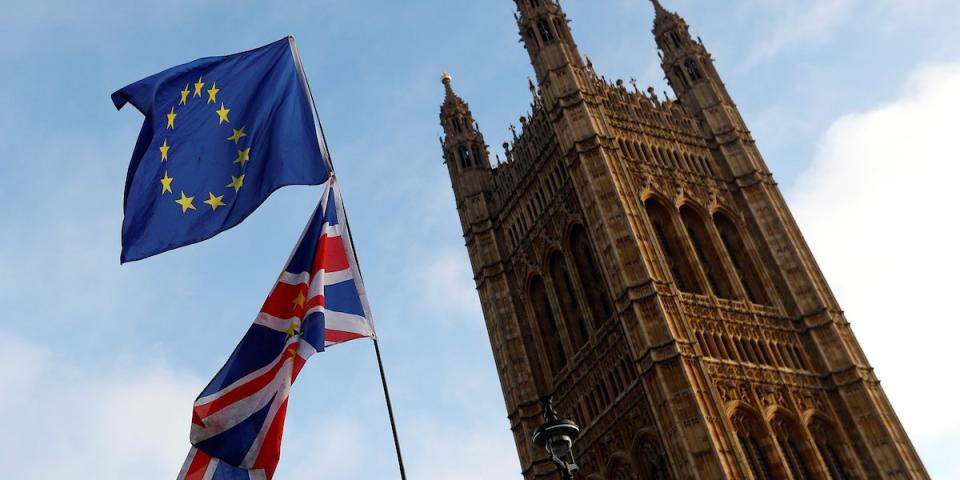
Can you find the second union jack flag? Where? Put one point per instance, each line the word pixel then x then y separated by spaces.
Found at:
pixel 318 301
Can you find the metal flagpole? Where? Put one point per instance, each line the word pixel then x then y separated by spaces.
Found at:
pixel 386 394
pixel 376 342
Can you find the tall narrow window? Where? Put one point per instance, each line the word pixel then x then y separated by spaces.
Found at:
pixel 826 440
pixel 457 124
pixel 737 250
pixel 545 33
pixel 547 324
pixel 707 253
pixel 675 37
pixel 588 270
pixel 476 154
pixel 576 324
pixel 651 460
pixel 672 246
pixel 531 36
pixel 797 466
pixel 693 70
pixel 748 435
pixel 678 72
pixel 466 160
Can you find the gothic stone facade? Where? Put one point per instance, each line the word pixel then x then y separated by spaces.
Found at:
pixel 636 260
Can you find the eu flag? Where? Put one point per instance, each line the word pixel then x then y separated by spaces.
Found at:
pixel 220 134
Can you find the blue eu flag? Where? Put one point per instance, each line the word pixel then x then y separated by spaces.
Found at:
pixel 220 135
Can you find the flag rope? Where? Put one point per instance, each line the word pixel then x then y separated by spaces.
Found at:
pixel 329 159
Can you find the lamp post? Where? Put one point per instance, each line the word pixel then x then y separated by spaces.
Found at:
pixel 557 436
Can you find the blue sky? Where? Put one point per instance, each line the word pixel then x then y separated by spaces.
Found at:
pixel 849 100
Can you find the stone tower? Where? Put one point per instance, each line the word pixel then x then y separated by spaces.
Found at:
pixel 635 260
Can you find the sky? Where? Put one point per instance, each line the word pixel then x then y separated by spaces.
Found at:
pixel 852 102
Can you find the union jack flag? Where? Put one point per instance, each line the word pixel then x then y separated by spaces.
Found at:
pixel 318 301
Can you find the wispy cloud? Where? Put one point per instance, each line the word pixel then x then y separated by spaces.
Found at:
pixel 801 23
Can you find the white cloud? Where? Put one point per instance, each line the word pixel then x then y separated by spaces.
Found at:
pixel 877 207
pixel 61 420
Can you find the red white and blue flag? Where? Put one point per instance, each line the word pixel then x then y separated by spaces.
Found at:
pixel 318 301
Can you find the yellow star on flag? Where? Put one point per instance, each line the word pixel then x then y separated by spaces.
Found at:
pixel 170 117
pixel 243 156
pixel 198 87
pixel 237 135
pixel 164 150
pixel 166 181
pixel 184 94
pixel 301 300
pixel 215 201
pixel 223 113
pixel 237 182
pixel 186 203
pixel 293 329
pixel 212 92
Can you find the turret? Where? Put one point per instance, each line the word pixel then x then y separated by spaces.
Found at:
pixel 546 35
pixel 689 69
pixel 464 150
pixel 545 32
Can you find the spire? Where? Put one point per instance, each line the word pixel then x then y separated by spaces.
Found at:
pixel 659 8
pixel 662 14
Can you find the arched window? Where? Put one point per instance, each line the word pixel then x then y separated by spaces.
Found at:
pixel 547 324
pixel 672 245
pixel 651 460
pixel 675 37
pixel 737 251
pixel 528 334
pixel 693 70
pixel 707 253
pixel 531 36
pixel 792 447
pixel 751 436
pixel 825 438
pixel 466 159
pixel 678 72
pixel 576 324
pixel 476 154
pixel 588 271
pixel 545 33
pixel 457 124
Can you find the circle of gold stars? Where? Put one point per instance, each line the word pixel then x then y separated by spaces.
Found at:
pixel 214 201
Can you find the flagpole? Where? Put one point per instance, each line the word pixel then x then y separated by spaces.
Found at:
pixel 386 394
pixel 376 342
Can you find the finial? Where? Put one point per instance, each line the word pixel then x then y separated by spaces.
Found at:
pixel 447 81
